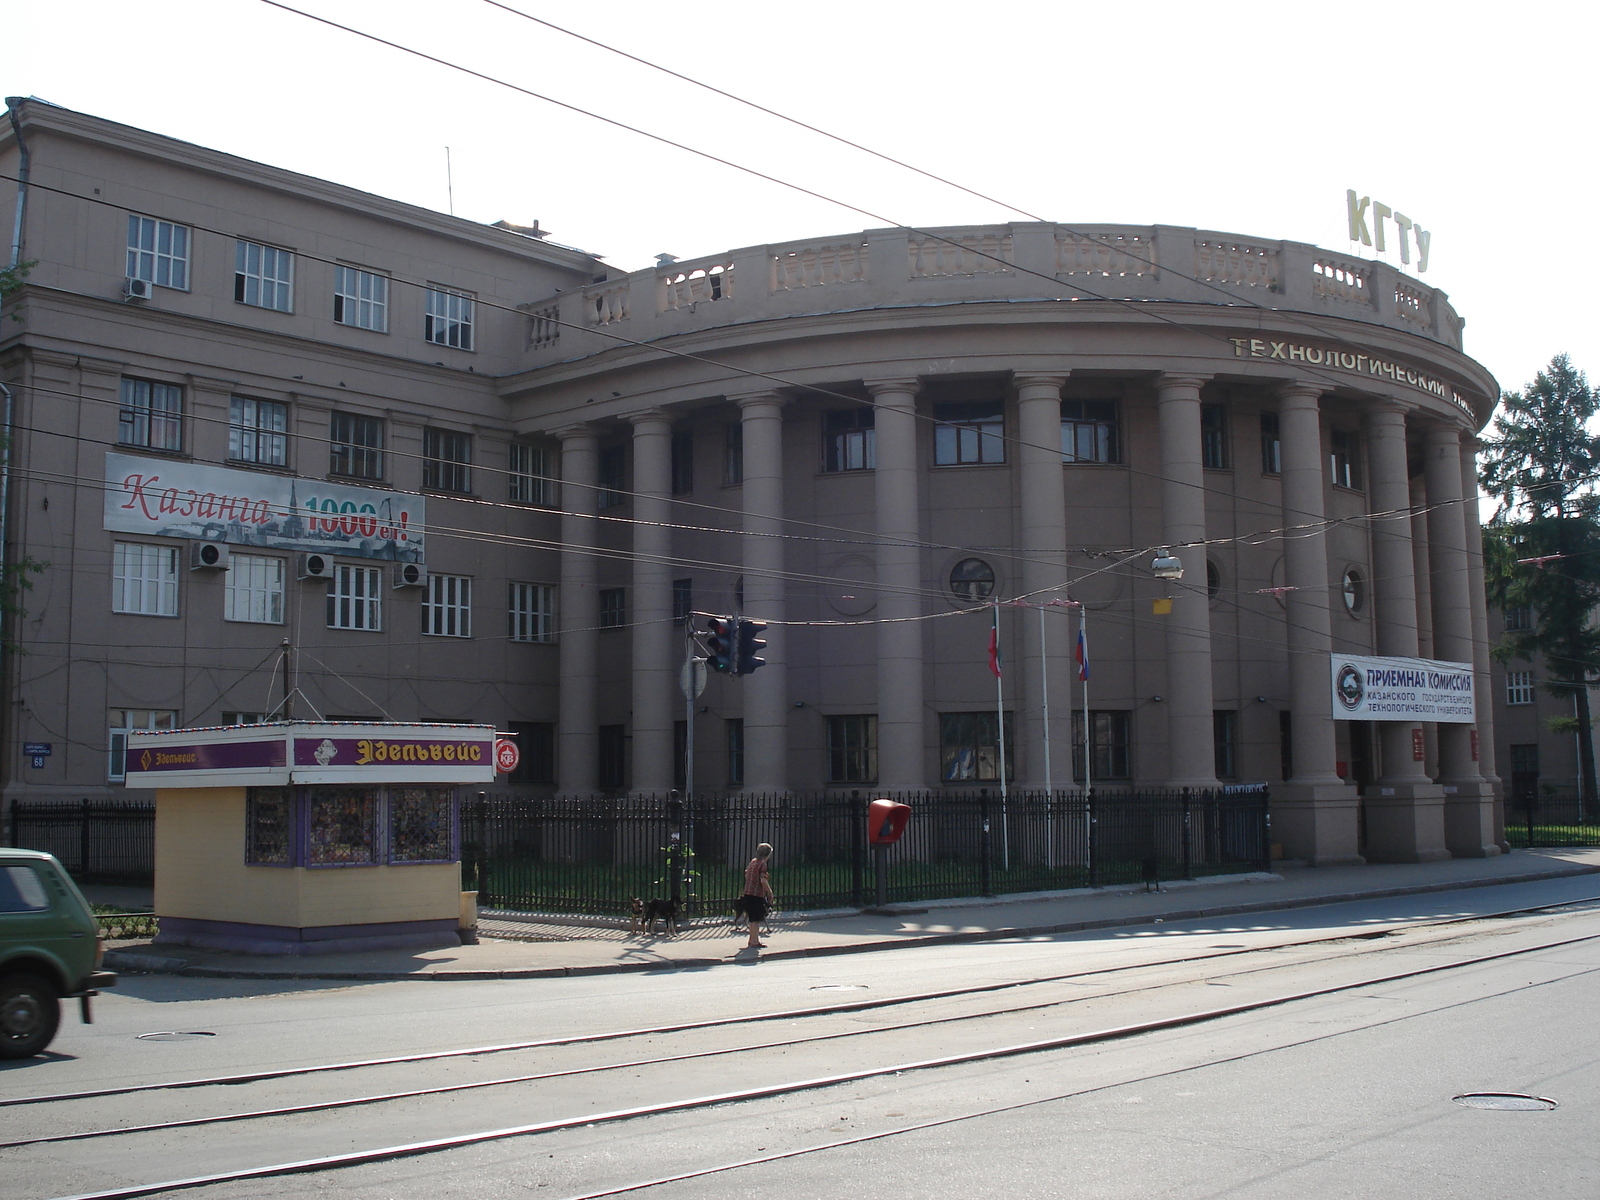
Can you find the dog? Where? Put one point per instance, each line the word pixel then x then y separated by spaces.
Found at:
pixel 647 913
pixel 741 918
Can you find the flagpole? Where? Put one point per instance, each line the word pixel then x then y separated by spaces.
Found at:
pixel 1000 727
pixel 1083 672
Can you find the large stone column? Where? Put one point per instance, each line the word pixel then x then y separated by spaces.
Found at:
pixel 1316 817
pixel 1191 740
pixel 654 684
pixel 1044 572
pixel 902 742
pixel 1405 808
pixel 1480 638
pixel 1469 800
pixel 766 693
pixel 577 614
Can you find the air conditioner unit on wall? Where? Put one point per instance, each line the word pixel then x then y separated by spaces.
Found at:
pixel 137 289
pixel 208 556
pixel 410 575
pixel 316 566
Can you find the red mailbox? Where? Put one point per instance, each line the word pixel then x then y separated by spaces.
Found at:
pixel 886 821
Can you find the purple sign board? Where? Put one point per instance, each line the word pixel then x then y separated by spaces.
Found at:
pixel 315 752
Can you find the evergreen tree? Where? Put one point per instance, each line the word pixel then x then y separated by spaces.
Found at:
pixel 1540 465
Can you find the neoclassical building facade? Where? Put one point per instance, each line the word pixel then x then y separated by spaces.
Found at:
pixel 886 446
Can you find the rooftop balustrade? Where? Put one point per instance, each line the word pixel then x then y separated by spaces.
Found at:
pixel 892 268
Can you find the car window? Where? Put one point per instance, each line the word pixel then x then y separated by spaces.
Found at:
pixel 21 890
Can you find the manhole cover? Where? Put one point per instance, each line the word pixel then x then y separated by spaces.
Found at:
pixel 839 987
pixel 185 1035
pixel 1504 1101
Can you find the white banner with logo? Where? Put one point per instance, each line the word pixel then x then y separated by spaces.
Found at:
pixel 1402 689
pixel 169 498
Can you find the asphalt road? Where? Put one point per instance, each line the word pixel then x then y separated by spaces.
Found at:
pixel 1342 1094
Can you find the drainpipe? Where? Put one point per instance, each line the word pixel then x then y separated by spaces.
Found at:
pixel 13 103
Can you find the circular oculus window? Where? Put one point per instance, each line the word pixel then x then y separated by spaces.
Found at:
pixel 972 580
pixel 1354 590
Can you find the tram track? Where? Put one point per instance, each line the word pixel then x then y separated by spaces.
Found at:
pixel 843 1007
pixel 797 1086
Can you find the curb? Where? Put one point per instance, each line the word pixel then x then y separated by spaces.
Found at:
pixel 156 964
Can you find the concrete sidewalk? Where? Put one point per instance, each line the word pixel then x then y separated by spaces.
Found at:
pixel 527 947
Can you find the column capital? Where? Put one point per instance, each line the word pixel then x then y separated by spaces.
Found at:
pixel 1030 379
pixel 909 384
pixel 749 400
pixel 1442 433
pixel 1385 406
pixel 576 432
pixel 1174 382
pixel 1300 392
pixel 649 416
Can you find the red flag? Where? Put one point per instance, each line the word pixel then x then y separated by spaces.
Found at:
pixel 994 647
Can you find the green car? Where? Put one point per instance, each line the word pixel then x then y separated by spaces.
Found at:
pixel 49 949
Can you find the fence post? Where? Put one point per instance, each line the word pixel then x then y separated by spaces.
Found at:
pixel 1188 866
pixel 675 848
pixel 1533 802
pixel 986 847
pixel 82 869
pixel 1266 832
pixel 858 850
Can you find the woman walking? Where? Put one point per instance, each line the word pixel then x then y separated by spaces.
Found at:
pixel 757 894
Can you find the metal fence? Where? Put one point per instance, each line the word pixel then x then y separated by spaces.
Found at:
pixel 595 854
pixel 1551 817
pixel 97 841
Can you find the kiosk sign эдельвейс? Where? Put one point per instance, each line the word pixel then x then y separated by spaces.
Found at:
pixel 1402 689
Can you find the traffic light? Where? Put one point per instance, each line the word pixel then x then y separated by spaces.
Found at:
pixel 722 644
pixel 750 645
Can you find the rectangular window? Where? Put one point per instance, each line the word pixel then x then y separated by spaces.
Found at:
pixel 446 459
pixel 1525 759
pixel 682 462
pixel 734 726
pixel 1271 445
pixel 354 599
pixel 1090 432
pixel 964 434
pixel 123 721
pixel 151 415
pixel 682 600
pixel 1519 687
pixel 447 607
pixel 536 742
pixel 243 718
pixel 158 251
pixel 1225 733
pixel 969 748
pixel 1214 437
pixel 263 276
pixel 613 478
pixel 852 749
pixel 613 608
pixel 1344 457
pixel 361 298
pixel 533 612
pixel 532 475
pixel 355 446
pixel 733 452
pixel 449 318
pixel 342 826
pixel 254 589
pixel 1109 740
pixel 144 579
pixel 258 431
pixel 268 826
pixel 613 749
pixel 848 440
pixel 419 824
pixel 1519 618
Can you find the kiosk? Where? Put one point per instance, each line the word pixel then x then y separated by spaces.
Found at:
pixel 310 837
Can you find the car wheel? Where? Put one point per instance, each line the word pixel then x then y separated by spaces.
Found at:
pixel 29 1014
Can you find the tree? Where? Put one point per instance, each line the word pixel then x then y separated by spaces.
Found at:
pixel 1540 465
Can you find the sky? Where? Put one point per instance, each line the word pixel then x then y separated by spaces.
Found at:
pixel 1234 116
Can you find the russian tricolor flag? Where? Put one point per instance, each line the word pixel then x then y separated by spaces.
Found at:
pixel 1082 655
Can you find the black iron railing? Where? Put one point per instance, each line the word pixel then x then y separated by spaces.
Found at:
pixel 1551 816
pixel 595 854
pixel 97 841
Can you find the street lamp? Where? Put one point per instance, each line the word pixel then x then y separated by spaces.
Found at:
pixel 1165 565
